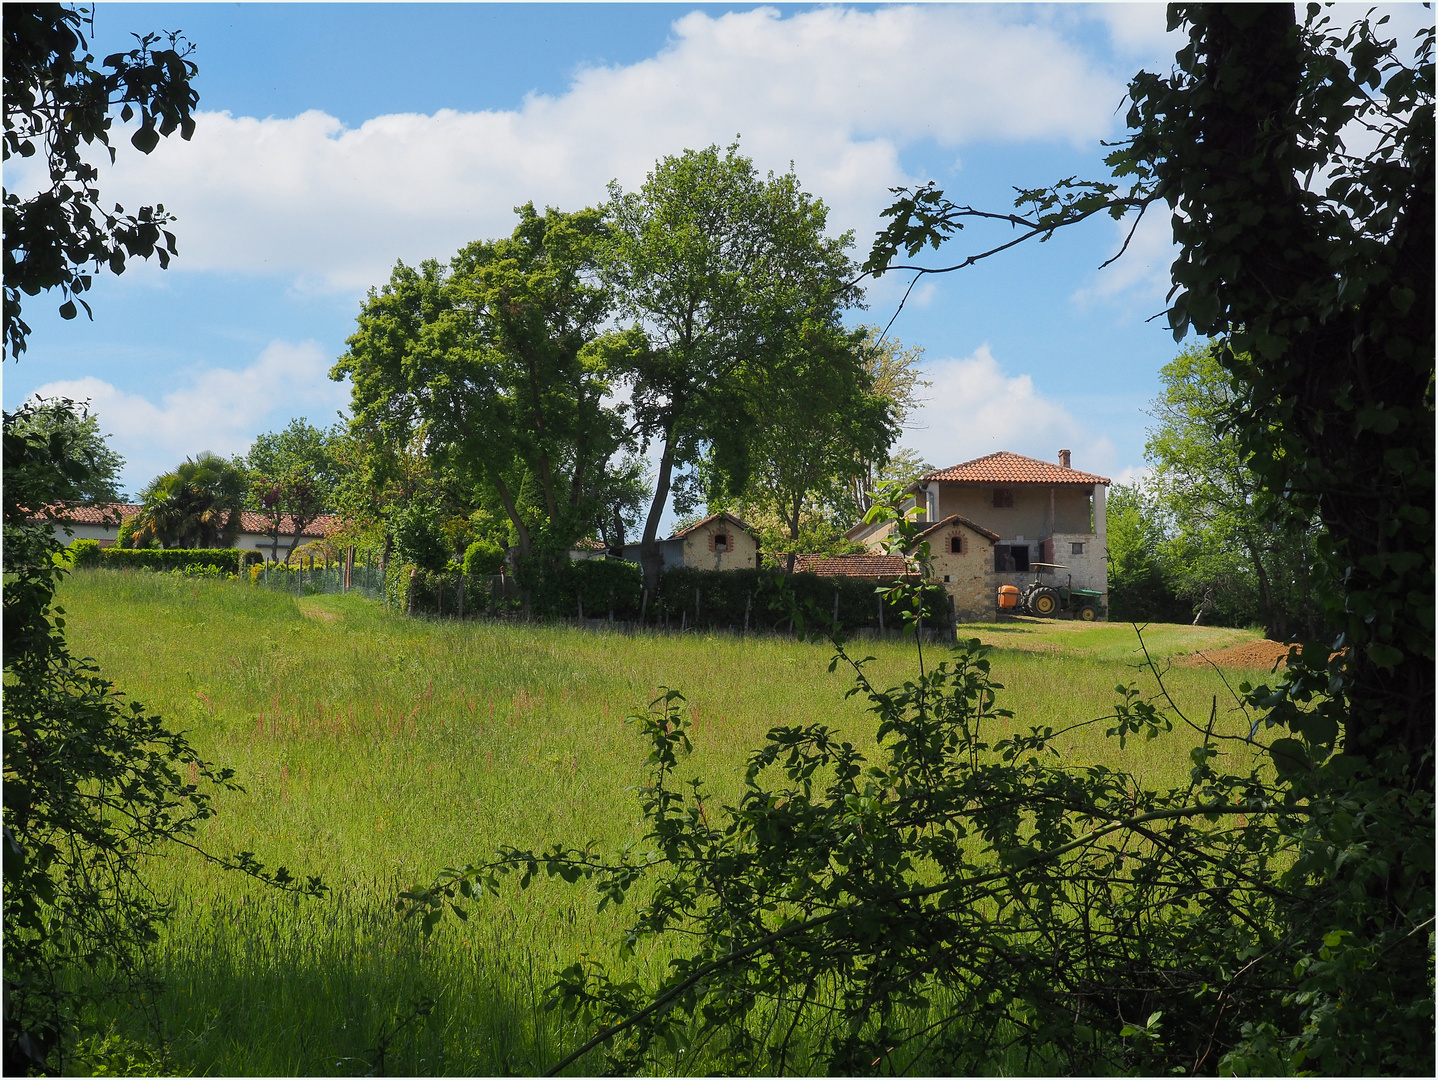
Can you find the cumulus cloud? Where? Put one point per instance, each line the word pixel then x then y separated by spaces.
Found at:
pixel 1140 276
pixel 974 408
pixel 219 409
pixel 838 92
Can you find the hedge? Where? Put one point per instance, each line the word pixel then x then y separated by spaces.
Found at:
pixel 89 553
pixel 726 599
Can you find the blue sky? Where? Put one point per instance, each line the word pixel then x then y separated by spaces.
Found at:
pixel 334 139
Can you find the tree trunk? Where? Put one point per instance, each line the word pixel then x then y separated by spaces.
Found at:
pixel 650 557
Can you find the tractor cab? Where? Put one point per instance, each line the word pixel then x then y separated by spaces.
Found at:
pixel 1047 600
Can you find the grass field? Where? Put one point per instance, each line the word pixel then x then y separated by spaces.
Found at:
pixel 377 749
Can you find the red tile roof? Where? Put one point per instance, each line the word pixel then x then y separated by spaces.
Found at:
pixel 251 521
pixel 1006 468
pixel 959 519
pixel 874 566
pixel 736 522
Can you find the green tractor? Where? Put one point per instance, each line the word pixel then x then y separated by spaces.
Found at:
pixel 1048 601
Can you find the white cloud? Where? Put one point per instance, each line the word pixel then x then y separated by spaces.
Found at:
pixel 838 92
pixel 219 409
pixel 1140 277
pixel 974 408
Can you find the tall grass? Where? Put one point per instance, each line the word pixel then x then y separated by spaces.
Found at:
pixel 376 749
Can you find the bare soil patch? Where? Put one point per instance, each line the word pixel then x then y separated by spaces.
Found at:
pixel 1269 655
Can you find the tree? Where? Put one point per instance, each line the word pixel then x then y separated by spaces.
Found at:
pixel 816 422
pixel 79 430
pixel 292 475
pixel 196 506
pixel 489 360
pixel 1225 554
pixel 1139 589
pixel 895 375
pixel 55 101
pixel 718 270
pixel 1322 302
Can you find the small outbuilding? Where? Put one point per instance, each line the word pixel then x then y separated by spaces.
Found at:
pixel 719 542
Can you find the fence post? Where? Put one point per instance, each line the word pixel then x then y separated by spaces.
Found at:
pixel 880 598
pixel 579 599
pixel 461 597
pixel 748 600
pixel 410 600
pixel 696 606
pixel 836 607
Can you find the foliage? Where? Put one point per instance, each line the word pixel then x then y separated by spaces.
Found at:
pixel 300 447
pixel 970 896
pixel 719 270
pixel 419 536
pixel 93 784
pixel 488 359
pixel 1139 588
pixel 483 557
pixel 1312 268
pixel 117 558
pixel 292 477
pixel 894 375
pixel 81 431
pixel 816 420
pixel 197 505
pixel 1221 551
pixel 56 99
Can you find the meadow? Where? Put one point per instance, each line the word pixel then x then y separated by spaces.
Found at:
pixel 376 749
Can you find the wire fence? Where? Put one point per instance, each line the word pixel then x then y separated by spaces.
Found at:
pixel 313 580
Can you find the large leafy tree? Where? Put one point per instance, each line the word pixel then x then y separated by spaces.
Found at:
pixel 79 429
pixel 57 104
pixel 1224 551
pixel 293 475
pixel 196 506
pixel 488 363
pixel 718 270
pixel 817 421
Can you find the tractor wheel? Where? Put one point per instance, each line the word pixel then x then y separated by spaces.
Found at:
pixel 1088 613
pixel 1044 602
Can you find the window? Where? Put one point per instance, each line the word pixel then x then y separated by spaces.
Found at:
pixel 721 542
pixel 956 545
pixel 1003 499
pixel 1011 558
pixel 1076 549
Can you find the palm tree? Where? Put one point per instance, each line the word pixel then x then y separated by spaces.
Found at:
pixel 196 506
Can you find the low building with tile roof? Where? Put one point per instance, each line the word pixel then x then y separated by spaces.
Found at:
pixel 721 541
pixel 1018 512
pixel 102 523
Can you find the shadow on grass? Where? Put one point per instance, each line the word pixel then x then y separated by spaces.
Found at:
pixel 271 987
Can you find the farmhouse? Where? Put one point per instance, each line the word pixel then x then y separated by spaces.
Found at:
pixel 102 523
pixel 719 542
pixel 997 516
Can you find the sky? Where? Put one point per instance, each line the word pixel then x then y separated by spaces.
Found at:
pixel 333 140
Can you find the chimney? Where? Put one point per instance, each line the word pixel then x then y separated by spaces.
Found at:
pixel 1064 459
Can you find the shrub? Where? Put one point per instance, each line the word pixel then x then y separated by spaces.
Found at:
pixel 85 553
pixel 483 557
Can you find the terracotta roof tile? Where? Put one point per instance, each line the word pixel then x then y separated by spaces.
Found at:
pixel 959 519
pixel 251 521
pixel 1004 467
pixel 736 522
pixel 874 566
